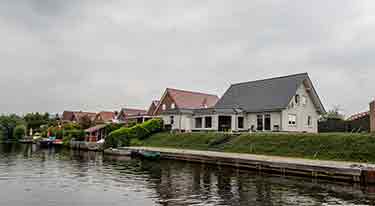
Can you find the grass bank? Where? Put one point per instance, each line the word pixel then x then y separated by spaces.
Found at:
pixel 330 146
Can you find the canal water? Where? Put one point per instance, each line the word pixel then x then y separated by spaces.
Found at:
pixel 31 176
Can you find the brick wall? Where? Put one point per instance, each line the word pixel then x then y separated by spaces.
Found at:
pixel 372 116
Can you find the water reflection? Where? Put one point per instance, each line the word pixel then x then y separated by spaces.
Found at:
pixel 56 176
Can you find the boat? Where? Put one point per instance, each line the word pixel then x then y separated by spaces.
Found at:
pixel 45 142
pixel 57 142
pixel 149 155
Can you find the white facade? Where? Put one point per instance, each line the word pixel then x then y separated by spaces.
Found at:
pixel 303 111
pixel 301 115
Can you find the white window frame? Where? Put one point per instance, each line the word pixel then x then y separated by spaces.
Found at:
pixel 173 106
pixel 304 100
pixel 164 107
pixel 292 120
pixel 309 121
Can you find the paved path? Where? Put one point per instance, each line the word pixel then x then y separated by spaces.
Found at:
pixel 270 159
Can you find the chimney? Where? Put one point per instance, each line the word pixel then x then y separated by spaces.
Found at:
pixel 372 116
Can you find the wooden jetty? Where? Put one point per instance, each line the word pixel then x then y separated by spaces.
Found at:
pixel 336 170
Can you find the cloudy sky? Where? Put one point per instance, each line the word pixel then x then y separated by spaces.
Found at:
pixel 106 54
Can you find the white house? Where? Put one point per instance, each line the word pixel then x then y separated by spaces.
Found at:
pixel 288 103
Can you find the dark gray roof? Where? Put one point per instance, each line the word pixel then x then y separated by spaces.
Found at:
pixel 265 95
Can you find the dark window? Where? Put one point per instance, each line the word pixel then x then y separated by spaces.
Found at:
pixel 260 122
pixel 172 119
pixel 309 121
pixel 267 122
pixel 198 122
pixel 208 122
pixel 297 99
pixel 240 122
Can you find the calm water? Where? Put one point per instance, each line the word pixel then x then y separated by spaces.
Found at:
pixel 37 177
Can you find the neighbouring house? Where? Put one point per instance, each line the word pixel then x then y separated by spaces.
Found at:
pixel 106 117
pixel 176 107
pixel 127 116
pixel 152 108
pixel 372 116
pixel 96 133
pixel 74 116
pixel 288 103
pixel 358 122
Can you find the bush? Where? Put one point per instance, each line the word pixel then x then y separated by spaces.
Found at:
pixel 153 125
pixel 123 136
pixel 19 132
pixel 118 138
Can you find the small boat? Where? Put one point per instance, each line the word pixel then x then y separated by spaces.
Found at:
pixel 57 142
pixel 45 142
pixel 149 155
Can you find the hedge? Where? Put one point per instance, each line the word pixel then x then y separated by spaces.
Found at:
pixel 123 136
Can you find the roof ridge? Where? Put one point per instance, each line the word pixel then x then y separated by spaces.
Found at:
pixel 273 78
pixel 192 92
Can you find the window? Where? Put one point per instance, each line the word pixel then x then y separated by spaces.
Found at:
pixel 198 122
pixel 309 121
pixel 173 106
pixel 297 99
pixel 208 122
pixel 260 122
pixel 164 107
pixel 267 122
pixel 240 122
pixel 292 120
pixel 171 119
pixel 304 100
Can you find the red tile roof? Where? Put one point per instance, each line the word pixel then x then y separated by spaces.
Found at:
pixel 132 112
pixel 358 116
pixel 192 100
pixel 106 116
pixel 76 116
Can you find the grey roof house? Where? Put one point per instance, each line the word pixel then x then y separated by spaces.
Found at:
pixel 288 103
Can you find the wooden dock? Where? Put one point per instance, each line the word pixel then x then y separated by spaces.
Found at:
pixel 337 170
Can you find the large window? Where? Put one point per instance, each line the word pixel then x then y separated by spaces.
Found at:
pixel 164 106
pixel 198 122
pixel 309 121
pixel 208 122
pixel 260 122
pixel 240 122
pixel 292 120
pixel 267 122
pixel 172 120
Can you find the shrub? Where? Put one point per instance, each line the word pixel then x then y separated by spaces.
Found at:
pixel 139 132
pixel 123 136
pixel 153 125
pixel 19 132
pixel 118 138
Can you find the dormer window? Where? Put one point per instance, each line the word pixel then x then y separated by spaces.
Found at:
pixel 173 106
pixel 297 99
pixel 164 106
pixel 304 100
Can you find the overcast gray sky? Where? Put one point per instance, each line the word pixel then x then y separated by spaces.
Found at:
pixel 106 54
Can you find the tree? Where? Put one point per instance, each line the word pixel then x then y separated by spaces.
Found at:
pixel 85 122
pixel 334 113
pixel 35 120
pixel 8 123
pixel 19 132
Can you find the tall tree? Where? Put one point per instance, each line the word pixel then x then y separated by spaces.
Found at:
pixel 8 123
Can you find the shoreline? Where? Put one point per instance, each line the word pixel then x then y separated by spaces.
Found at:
pixel 353 172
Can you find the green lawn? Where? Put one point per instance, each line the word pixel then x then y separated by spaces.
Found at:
pixel 329 146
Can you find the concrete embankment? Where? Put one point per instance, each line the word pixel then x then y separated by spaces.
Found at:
pixel 82 145
pixel 342 171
